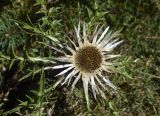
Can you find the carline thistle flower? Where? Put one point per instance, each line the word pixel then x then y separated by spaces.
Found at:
pixel 88 57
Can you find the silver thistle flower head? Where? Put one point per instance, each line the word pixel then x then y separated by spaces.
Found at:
pixel 88 57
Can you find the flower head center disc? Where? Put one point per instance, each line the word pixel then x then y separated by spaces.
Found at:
pixel 88 59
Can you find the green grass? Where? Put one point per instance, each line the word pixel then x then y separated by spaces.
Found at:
pixel 34 89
